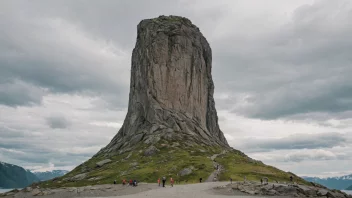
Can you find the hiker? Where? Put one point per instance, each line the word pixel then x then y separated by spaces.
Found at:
pixel 172 182
pixel 159 181
pixel 123 182
pixel 200 180
pixel 261 181
pixel 164 180
pixel 217 167
pixel 114 181
pixel 134 183
pixel 130 182
pixel 231 180
pixel 291 178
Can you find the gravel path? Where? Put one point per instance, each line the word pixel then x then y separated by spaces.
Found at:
pixel 201 190
pixel 217 166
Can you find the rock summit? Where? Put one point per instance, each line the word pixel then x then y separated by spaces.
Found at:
pixel 171 89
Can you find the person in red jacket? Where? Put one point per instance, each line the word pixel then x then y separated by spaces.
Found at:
pixel 172 182
pixel 159 181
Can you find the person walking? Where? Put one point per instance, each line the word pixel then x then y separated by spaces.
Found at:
pixel 231 180
pixel 164 180
pixel 172 182
pixel 200 180
pixel 159 181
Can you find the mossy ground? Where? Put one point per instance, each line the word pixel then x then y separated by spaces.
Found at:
pixel 169 161
pixel 237 167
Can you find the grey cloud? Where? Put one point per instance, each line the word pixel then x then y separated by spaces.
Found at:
pixel 301 67
pixel 315 155
pixel 297 141
pixel 58 122
pixel 18 93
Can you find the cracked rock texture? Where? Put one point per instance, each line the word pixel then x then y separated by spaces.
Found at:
pixel 171 89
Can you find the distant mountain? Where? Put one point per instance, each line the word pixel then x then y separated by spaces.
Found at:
pixel 349 188
pixel 43 176
pixel 339 183
pixel 12 176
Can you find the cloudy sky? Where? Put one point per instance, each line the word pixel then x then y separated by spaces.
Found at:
pixel 282 72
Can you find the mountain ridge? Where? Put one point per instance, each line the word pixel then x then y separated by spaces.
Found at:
pixel 47 175
pixel 337 182
pixel 13 176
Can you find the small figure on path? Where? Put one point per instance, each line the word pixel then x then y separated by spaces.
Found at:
pixel 114 181
pixel 291 178
pixel 231 180
pixel 134 183
pixel 130 182
pixel 123 182
pixel 261 181
pixel 159 181
pixel 172 182
pixel 200 180
pixel 164 180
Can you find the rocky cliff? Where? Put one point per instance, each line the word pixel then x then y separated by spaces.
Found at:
pixel 171 90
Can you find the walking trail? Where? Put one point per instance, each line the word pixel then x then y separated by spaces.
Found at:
pixel 218 168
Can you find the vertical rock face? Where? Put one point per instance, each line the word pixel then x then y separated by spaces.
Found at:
pixel 171 90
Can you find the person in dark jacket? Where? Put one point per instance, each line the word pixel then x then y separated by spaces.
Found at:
pixel 164 180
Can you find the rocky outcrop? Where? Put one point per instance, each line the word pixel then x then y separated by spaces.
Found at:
pixel 103 162
pixel 275 189
pixel 171 90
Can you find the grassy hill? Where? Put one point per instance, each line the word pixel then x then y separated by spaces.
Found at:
pixel 185 163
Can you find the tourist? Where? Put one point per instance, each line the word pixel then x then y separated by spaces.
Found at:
pixel 200 180
pixel 172 182
pixel 159 181
pixel 114 181
pixel 123 182
pixel 164 180
pixel 130 182
pixel 231 180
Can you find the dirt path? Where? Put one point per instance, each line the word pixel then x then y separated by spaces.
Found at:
pixel 201 190
pixel 218 168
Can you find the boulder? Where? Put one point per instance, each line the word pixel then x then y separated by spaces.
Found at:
pixel 185 171
pixel 103 162
pixel 36 192
pixel 134 164
pixel 28 189
pixel 152 150
pixel 322 192
pixel 78 177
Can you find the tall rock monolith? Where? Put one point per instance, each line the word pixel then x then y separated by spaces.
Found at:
pixel 171 89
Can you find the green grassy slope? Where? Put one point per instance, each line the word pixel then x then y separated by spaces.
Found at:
pixel 169 161
pixel 237 167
